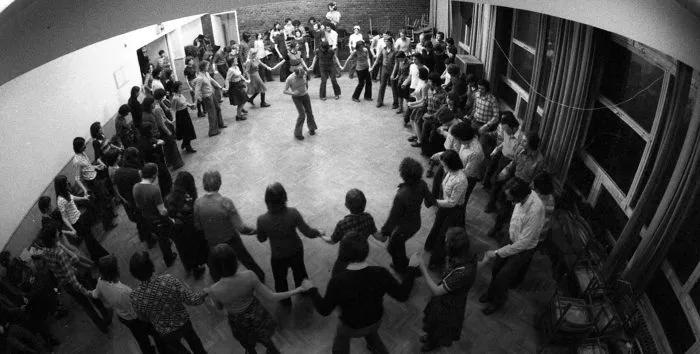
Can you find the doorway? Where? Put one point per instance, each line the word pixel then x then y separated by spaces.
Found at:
pixel 225 28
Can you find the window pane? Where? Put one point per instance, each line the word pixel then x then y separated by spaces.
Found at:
pixel 581 176
pixel 695 295
pixel 521 110
pixel 550 55
pixel 536 122
pixel 507 94
pixel 461 17
pixel 670 313
pixel 684 254
pixel 612 216
pixel 615 146
pixel 526 27
pixel 625 75
pixel 522 62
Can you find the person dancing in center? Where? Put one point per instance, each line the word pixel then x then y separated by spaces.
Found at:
pixel 297 86
pixel 404 218
pixel 326 63
pixel 279 225
pixel 256 85
pixel 235 86
pixel 362 65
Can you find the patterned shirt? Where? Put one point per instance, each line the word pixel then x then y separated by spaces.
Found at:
pixel 472 156
pixel 162 299
pixel 436 98
pixel 485 108
pixel 62 265
pixel 68 209
pixel 84 169
pixel 527 164
pixel 361 223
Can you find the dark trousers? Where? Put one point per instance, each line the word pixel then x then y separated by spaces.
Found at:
pixel 244 257
pixel 303 105
pixel 386 81
pixel 280 267
pixel 363 81
pixel 83 229
pixel 470 188
pixel 505 271
pixel 265 75
pixel 163 234
pixel 103 207
pixel 173 340
pixel 19 340
pixel 498 163
pixel 213 113
pixel 343 334
pixel 135 216
pixel 325 74
pixel 165 180
pixel 397 249
pixel 444 219
pixel 94 308
pixel 142 330
pixel 200 106
pixel 222 69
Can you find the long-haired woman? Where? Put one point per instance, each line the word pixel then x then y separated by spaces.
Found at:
pixel 236 291
pixel 362 65
pixel 86 176
pixel 256 85
pixel 184 130
pixel 235 86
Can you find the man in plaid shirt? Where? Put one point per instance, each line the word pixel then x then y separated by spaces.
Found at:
pixel 63 266
pixel 486 110
pixel 161 299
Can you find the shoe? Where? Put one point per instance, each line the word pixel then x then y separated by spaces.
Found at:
pixel 355 99
pixel 244 110
pixel 416 144
pixel 379 105
pixel 223 126
pixel 400 111
pixel 413 138
pixel 201 115
pixel 312 132
pixel 214 134
pixel 264 104
pixel 190 150
pixel 484 298
pixel 490 309
pixel 172 260
pixel 251 103
pixel 337 97
pixel 240 118
pixel 368 98
pixel 323 98
pixel 430 174
pixel 395 106
pixel 299 137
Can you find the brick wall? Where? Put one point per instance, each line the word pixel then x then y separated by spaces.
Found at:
pixel 385 14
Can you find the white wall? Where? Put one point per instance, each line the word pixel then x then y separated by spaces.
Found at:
pixel 218 31
pixel 44 109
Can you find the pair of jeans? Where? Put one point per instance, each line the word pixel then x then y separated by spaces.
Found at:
pixel 343 334
pixel 363 81
pixel 163 233
pixel 280 267
pixel 173 340
pixel 84 231
pixel 222 69
pixel 94 308
pixel 397 249
pixel 142 330
pixel 325 74
pixel 387 81
pixel 505 272
pixel 303 105
pixel 214 114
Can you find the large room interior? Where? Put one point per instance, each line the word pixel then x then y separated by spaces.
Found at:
pixel 611 88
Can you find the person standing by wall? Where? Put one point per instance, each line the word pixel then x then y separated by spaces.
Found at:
pixel 297 86
pixel 355 37
pixel 333 15
pixel 387 58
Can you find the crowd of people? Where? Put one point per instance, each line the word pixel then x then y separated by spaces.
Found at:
pixel 456 122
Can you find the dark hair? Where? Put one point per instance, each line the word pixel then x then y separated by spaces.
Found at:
pixel 44 204
pixel 444 114
pixel 401 54
pixel 390 40
pixel 411 171
pixel 111 157
pixel 312 19
pixel 176 86
pixel 519 189
pixel 450 41
pixel 158 94
pixel 533 140
pixel 132 158
pixel 185 182
pixel 149 170
pixel 296 23
pixel 325 46
pixel 359 45
pixel 141 266
pixel 457 246
pixel 423 73
pixel 508 119
pixel 211 181
pixel 147 104
pixel 418 57
pixel 95 130
pixel 245 36
pixel 435 79
pixel 275 197
pixel 168 73
pixel 230 61
pixel 161 51
pixel 203 65
pixel 452 160
pixel 355 201
pixel 124 110
pixel 60 185
pixel 470 79
pixel 485 83
pixel 439 47
pixel 47 235
pixel 222 262
pixel 353 248
pixel 135 90
pixel 188 61
pixel 78 145
pixel 146 131
pixel 453 69
pixel 156 73
pixel 543 183
pixel 109 268
pixel 463 131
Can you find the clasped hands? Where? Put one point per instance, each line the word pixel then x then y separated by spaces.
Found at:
pixel 305 286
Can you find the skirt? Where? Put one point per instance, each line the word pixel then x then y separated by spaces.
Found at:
pixel 183 125
pixel 403 92
pixel 237 93
pixel 443 317
pixel 253 325
pixel 256 84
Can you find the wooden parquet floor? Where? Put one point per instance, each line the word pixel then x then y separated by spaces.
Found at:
pixel 357 146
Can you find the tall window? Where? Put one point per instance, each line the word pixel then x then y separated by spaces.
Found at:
pixel 463 24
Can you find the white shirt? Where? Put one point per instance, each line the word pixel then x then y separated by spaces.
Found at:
pixel 354 38
pixel 381 44
pixel 332 39
pixel 472 156
pixel 333 16
pixel 454 188
pixel 68 209
pixel 510 143
pixel 156 84
pixel 402 45
pixel 259 46
pixel 525 226
pixel 116 296
pixel 413 74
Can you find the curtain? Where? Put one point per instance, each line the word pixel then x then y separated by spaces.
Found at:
pixel 681 192
pixel 671 128
pixel 570 86
pixel 538 65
